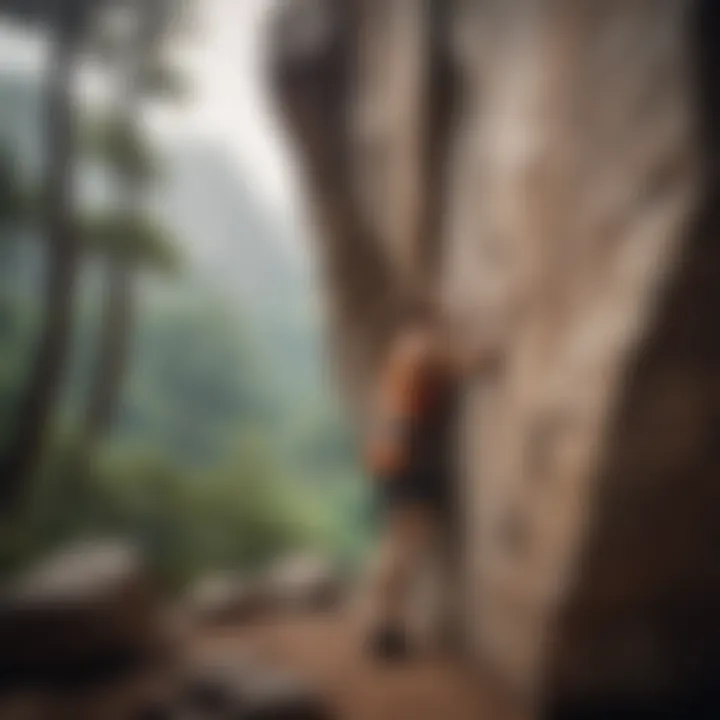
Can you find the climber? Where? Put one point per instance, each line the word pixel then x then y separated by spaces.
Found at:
pixel 410 456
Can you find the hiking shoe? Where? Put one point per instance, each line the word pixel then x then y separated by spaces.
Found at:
pixel 389 644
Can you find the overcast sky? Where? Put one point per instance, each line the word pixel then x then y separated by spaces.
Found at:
pixel 229 103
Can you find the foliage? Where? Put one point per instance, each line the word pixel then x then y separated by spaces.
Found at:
pixel 136 240
pixel 207 469
pixel 238 516
pixel 19 204
pixel 196 382
pixel 8 200
pixel 122 146
pixel 163 81
pixel 228 448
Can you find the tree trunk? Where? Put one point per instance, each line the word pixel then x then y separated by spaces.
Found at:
pixel 113 347
pixel 25 445
pixel 116 319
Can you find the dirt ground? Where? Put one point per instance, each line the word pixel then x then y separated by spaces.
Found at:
pixel 326 652
pixel 322 651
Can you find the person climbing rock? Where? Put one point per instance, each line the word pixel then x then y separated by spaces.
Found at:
pixel 409 454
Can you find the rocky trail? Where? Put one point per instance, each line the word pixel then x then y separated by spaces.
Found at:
pixel 326 652
pixel 84 637
pixel 320 652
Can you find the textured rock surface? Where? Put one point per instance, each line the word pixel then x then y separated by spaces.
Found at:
pixel 304 582
pixel 230 599
pixel 564 158
pixel 297 582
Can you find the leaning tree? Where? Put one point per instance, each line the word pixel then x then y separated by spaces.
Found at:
pixel 64 22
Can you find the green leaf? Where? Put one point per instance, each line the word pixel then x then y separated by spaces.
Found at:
pixel 122 146
pixel 165 82
pixel 134 239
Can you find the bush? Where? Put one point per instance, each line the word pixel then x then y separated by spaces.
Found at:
pixel 238 517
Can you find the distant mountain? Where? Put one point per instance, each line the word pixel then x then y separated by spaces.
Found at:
pixel 228 233
pixel 240 256
pixel 231 240
pixel 239 249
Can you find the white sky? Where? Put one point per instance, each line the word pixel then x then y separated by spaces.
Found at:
pixel 228 102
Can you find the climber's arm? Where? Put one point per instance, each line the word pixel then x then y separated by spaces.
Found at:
pixel 387 447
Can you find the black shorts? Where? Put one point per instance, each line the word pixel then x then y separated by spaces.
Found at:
pixel 427 488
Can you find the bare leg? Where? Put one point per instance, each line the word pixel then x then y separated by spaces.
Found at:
pixel 412 532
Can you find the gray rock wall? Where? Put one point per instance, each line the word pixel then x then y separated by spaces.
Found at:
pixel 545 168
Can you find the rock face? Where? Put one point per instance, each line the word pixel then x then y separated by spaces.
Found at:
pixel 229 599
pixel 84 612
pixel 547 169
pixel 304 583
pixel 301 582
pixel 250 691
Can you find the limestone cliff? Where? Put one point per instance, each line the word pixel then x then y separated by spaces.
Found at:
pixel 547 170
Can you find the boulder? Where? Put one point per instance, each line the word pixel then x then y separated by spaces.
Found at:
pixel 304 582
pixel 272 696
pixel 229 599
pixel 84 611
pixel 247 690
pixel 214 688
